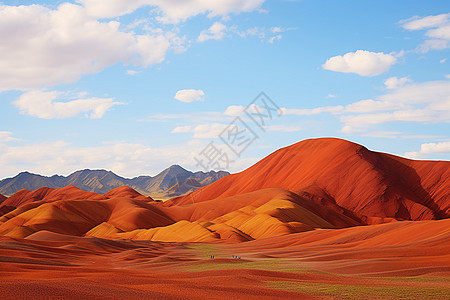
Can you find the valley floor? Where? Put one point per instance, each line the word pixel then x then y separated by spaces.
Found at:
pixel 365 262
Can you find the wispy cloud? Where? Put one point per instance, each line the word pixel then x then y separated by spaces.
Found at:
pixel 437 31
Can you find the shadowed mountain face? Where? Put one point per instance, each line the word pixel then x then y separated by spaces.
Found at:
pixel 102 181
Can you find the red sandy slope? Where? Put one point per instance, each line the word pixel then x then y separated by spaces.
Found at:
pixel 346 177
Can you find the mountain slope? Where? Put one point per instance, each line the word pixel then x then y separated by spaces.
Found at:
pixel 102 181
pixel 368 186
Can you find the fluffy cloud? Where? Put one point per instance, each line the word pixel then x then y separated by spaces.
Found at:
pixel 215 32
pixel 189 95
pixel 430 148
pixel 42 47
pixel 438 29
pixel 443 147
pixel 361 62
pixel 395 82
pixel 44 105
pixel 171 11
pixel 234 110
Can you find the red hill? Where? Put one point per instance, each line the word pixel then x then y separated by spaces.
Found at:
pixel 369 186
pixel 48 195
pixel 125 191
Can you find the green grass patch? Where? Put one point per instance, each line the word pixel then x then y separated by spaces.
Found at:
pixel 204 251
pixel 415 278
pixel 361 292
pixel 275 264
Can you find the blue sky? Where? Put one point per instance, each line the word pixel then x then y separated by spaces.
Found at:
pixel 135 86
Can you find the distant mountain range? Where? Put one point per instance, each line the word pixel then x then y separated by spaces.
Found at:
pixel 173 181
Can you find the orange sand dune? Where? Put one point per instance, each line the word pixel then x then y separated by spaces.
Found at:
pixel 345 177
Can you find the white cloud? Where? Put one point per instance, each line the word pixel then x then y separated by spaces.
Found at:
pixel 432 45
pixel 442 32
pixel 430 148
pixel 414 155
pixel 44 105
pixel 447 76
pixel 189 95
pixel 215 32
pixel 6 136
pixel 42 47
pixel 275 38
pixel 438 29
pixel 182 129
pixel 369 105
pixel 234 110
pixel 443 60
pixel 426 102
pixel 132 72
pixel 125 159
pixel 361 62
pixel 171 11
pixel 425 92
pixel 418 23
pixel 331 96
pixel 395 82
pixel 266 35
